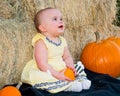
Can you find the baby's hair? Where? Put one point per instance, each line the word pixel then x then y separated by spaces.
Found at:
pixel 37 19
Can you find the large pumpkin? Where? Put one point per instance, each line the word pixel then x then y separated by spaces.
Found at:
pixel 102 56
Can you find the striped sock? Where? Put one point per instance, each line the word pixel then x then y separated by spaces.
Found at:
pixel 80 69
pixel 82 76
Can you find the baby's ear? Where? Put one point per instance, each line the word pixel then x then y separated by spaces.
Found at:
pixel 42 28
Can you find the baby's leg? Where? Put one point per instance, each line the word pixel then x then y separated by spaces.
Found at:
pixel 82 77
pixel 80 69
pixel 81 81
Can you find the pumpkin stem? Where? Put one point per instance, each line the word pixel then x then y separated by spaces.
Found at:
pixel 97 37
pixel 19 85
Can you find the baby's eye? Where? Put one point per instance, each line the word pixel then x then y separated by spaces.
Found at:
pixel 55 19
pixel 61 19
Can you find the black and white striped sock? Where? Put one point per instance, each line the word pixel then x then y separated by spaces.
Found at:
pixel 80 69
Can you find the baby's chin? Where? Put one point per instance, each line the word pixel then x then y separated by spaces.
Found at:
pixel 61 32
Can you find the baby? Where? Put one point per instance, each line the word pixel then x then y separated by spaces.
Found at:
pixel 51 57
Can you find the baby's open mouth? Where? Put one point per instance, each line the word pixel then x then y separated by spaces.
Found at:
pixel 61 26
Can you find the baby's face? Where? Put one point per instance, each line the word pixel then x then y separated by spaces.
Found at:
pixel 52 21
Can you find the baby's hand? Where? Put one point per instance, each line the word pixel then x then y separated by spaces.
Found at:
pixel 61 76
pixel 73 68
pixel 69 73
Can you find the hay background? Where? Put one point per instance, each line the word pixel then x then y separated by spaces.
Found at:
pixel 82 18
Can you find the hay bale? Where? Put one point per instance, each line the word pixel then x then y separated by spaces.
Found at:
pixel 6 10
pixel 15 49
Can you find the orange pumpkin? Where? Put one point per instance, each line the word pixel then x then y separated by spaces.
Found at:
pixel 11 91
pixel 69 73
pixel 102 56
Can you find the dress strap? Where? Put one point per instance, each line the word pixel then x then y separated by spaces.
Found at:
pixel 36 38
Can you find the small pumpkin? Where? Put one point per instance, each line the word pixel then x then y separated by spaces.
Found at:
pixel 69 73
pixel 102 56
pixel 11 90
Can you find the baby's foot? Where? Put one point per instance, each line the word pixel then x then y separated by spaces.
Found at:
pixel 86 84
pixel 75 86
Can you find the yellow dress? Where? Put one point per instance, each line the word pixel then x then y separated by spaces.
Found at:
pixel 43 80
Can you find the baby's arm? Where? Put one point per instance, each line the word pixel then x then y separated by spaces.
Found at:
pixel 68 59
pixel 41 57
